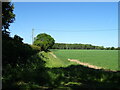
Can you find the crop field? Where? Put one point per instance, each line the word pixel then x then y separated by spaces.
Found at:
pixel 107 59
pixel 52 62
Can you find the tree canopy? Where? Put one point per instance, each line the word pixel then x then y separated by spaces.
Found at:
pixel 7 15
pixel 45 41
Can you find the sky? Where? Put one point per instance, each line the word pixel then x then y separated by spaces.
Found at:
pixel 93 23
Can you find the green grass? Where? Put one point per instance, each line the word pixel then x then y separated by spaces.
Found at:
pixel 51 61
pixel 103 58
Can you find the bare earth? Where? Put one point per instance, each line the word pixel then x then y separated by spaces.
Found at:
pixel 85 64
pixel 53 55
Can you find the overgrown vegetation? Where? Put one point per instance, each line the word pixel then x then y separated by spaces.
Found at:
pixel 78 77
pixel 15 51
pixel 26 76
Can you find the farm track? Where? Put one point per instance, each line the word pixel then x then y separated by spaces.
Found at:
pixel 53 55
pixel 90 66
pixel 85 64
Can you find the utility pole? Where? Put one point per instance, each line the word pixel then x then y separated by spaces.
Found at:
pixel 32 36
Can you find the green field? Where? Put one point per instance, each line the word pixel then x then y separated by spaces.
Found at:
pixel 52 62
pixel 107 59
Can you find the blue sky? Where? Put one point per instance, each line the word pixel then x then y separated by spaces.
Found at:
pixel 93 23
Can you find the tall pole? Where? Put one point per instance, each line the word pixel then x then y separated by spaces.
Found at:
pixel 32 36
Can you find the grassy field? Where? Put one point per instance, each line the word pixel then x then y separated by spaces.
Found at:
pixel 103 58
pixel 52 62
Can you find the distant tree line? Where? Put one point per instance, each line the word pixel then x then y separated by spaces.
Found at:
pixel 81 46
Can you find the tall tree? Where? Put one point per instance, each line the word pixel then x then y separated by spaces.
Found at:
pixel 45 41
pixel 7 15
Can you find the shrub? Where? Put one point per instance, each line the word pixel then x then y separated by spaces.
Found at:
pixel 36 48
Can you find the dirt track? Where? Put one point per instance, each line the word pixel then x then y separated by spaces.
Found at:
pixel 85 64
pixel 53 55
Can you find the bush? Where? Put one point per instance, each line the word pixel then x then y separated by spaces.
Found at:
pixel 15 51
pixel 35 48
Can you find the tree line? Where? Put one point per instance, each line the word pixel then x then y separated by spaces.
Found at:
pixel 81 46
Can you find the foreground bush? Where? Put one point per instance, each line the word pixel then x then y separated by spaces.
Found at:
pixel 14 51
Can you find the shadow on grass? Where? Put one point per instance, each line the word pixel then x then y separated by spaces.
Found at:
pixel 84 77
pixel 34 75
